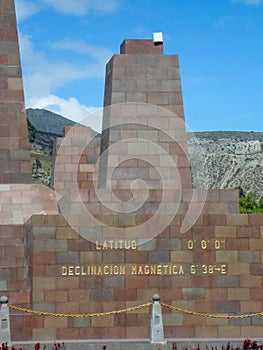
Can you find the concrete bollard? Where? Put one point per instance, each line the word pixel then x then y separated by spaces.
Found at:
pixel 157 335
pixel 4 321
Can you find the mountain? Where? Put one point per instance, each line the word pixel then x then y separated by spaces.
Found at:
pixel 45 126
pixel 227 159
pixel 48 122
pixel 219 159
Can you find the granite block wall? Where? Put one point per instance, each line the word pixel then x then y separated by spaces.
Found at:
pixel 15 164
pixel 215 268
pixel 74 160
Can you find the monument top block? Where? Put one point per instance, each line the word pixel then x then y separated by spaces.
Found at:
pixel 133 46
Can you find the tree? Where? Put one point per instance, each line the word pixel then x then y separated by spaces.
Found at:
pixel 250 204
pixel 260 202
pixel 38 164
pixel 31 131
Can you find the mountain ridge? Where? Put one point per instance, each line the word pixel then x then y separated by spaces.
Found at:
pixel 232 159
pixel 45 126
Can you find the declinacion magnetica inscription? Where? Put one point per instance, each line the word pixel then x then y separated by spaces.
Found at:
pixel 144 270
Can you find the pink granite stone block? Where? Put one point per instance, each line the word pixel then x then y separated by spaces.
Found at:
pixel 255 219
pixel 249 232
pixel 3 59
pixel 237 244
pixel 157 98
pixel 140 47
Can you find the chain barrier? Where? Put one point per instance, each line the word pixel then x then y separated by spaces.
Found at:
pixel 201 314
pixel 130 309
pixel 44 313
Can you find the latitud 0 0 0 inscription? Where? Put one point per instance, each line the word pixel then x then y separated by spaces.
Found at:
pixel 116 244
pixel 203 244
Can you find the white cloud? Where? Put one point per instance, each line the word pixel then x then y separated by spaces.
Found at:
pixel 100 54
pixel 71 109
pixel 25 9
pixel 224 21
pixel 250 2
pixel 37 81
pixel 82 7
pixel 42 76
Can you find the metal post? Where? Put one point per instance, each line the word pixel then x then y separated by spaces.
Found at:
pixel 157 335
pixel 4 321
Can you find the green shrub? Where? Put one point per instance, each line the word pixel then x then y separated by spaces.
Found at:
pixel 250 204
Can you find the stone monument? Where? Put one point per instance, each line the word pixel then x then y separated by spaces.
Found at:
pixel 123 223
pixel 15 164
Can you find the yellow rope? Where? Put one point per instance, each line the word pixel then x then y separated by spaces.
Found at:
pixel 43 313
pixel 201 314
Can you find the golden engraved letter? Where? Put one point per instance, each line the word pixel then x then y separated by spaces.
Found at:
pixel 64 271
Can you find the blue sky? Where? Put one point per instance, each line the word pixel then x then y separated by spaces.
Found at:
pixel 65 45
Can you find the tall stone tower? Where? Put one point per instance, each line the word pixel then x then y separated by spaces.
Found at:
pixel 14 146
pixel 143 88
